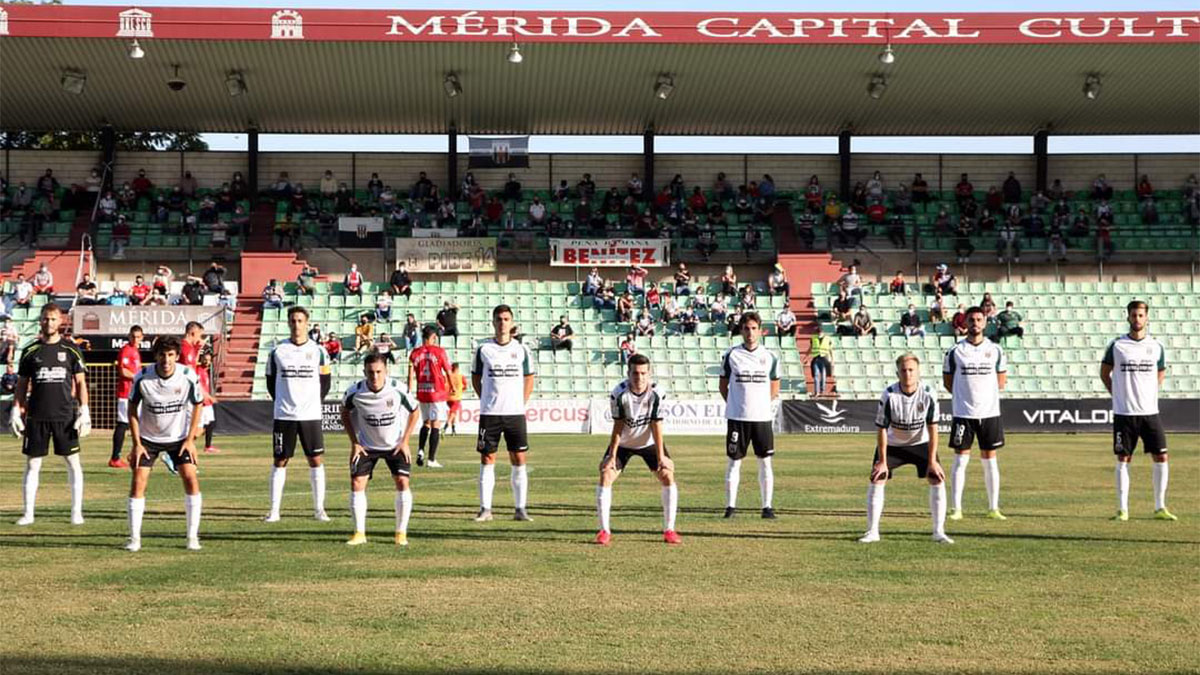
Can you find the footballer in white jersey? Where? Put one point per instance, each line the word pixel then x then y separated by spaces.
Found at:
pixel 907 433
pixel 164 417
pixel 974 371
pixel 637 412
pixel 379 415
pixel 1133 370
pixel 298 380
pixel 502 375
pixel 749 384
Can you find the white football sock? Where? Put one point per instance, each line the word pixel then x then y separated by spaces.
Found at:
pixel 358 510
pixel 278 478
pixel 316 478
pixel 937 508
pixel 519 480
pixel 191 507
pixel 959 472
pixel 604 506
pixel 487 484
pixel 33 468
pixel 670 502
pixel 1159 473
pixel 403 510
pixel 75 482
pixel 874 505
pixel 137 509
pixel 991 482
pixel 1122 474
pixel 733 475
pixel 766 481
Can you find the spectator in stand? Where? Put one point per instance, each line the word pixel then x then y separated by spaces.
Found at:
pixel 512 188
pixel 683 280
pixel 384 345
pixel 635 278
pixel 329 185
pixel 963 248
pixel 848 232
pixel 333 347
pixel 142 185
pixel 766 189
pixel 306 280
pixel 751 240
pixel 1149 211
pixel 214 277
pixel 625 307
pixel 863 325
pixel 898 285
pixel 561 192
pixel 670 309
pixel 910 323
pixel 1104 243
pixel 22 295
pixel 1039 203
pixel 353 281
pixel 920 190
pixel 139 293
pixel 960 321
pixel 785 324
pixel 412 332
pixel 586 187
pixel 645 325
pixel 634 186
pixel 987 222
pixel 747 299
pixel 8 381
pixel 688 321
pixel 628 347
pixel 314 333
pixel 375 187
pixel 364 334
pixel 447 213
pixel 719 309
pixel 876 212
pixel 853 283
pixel 963 190
pixel 1012 189
pixel 729 281
pixel 192 292
pixel 777 282
pixel 653 297
pixel 937 308
pixel 383 307
pixel 161 281
pixel 560 335
pixel 944 281
pixel 812 193
pixel 1009 322
pixel 273 295
pixel 820 360
pixel 422 188
pixel 842 305
pixel 706 243
pixel 9 340
pixel 722 187
pixel 158 296
pixel 537 214
pixel 1101 189
pixel 447 319
pixel 1008 243
pixel 1056 190
pixel 86 292
pixel 1080 226
pixel 605 298
pixel 401 282
pixel 593 282
pixel 697 201
pixel 43 280
pixel 988 305
pixel 994 200
pixel 875 187
pixel 1056 247
pixel 699 299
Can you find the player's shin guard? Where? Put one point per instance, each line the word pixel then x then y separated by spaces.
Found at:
pixel 278 478
pixel 75 482
pixel 519 479
pixel 33 469
pixel 937 508
pixel 959 479
pixel 118 440
pixel 424 437
pixel 137 509
pixel 403 510
pixel 358 510
pixel 766 481
pixel 191 508
pixel 604 506
pixel 1122 476
pixel 733 475
pixel 316 478
pixel 670 503
pixel 991 482
pixel 874 506
pixel 487 485
pixel 1159 473
pixel 435 436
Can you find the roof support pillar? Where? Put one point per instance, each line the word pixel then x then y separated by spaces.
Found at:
pixel 452 164
pixel 844 161
pixel 108 154
pixel 1041 156
pixel 649 187
pixel 252 160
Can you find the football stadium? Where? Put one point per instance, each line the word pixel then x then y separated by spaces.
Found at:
pixel 935 271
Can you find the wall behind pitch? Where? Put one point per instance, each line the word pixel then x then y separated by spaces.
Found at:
pixel 70 166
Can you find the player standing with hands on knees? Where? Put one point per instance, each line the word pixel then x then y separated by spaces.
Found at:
pixel 164 416
pixel 1133 370
pixel 637 430
pixel 907 433
pixel 749 384
pixel 502 376
pixel 51 378
pixel 379 416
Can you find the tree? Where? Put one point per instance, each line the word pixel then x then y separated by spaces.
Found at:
pixel 92 140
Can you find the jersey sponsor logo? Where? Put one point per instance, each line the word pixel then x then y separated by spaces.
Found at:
pixel 294 372
pixel 504 371
pixel 381 420
pixel 750 376
pixel 1126 366
pixel 976 369
pixel 164 408
pixel 50 374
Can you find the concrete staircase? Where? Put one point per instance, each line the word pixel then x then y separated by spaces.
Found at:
pixel 804 268
pixel 241 349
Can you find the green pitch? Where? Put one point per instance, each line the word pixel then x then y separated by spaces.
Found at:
pixel 1058 587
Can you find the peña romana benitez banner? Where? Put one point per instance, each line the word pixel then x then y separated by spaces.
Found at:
pixel 610 252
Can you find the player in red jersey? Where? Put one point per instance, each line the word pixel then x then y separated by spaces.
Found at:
pixel 208 421
pixel 191 345
pixel 429 371
pixel 129 364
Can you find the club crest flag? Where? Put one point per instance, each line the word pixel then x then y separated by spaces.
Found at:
pixel 509 152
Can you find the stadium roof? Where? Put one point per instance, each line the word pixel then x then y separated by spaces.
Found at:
pixel 380 71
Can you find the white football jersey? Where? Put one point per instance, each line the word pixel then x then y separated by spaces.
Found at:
pixel 1135 364
pixel 976 393
pixel 637 411
pixel 164 405
pixel 907 416
pixel 503 369
pixel 297 371
pixel 750 374
pixel 379 416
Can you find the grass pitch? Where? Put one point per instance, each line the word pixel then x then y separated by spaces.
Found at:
pixel 1056 588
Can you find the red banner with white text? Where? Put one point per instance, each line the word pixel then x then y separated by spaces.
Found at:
pixel 610 252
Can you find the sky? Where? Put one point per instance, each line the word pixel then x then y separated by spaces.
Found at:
pixel 633 144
